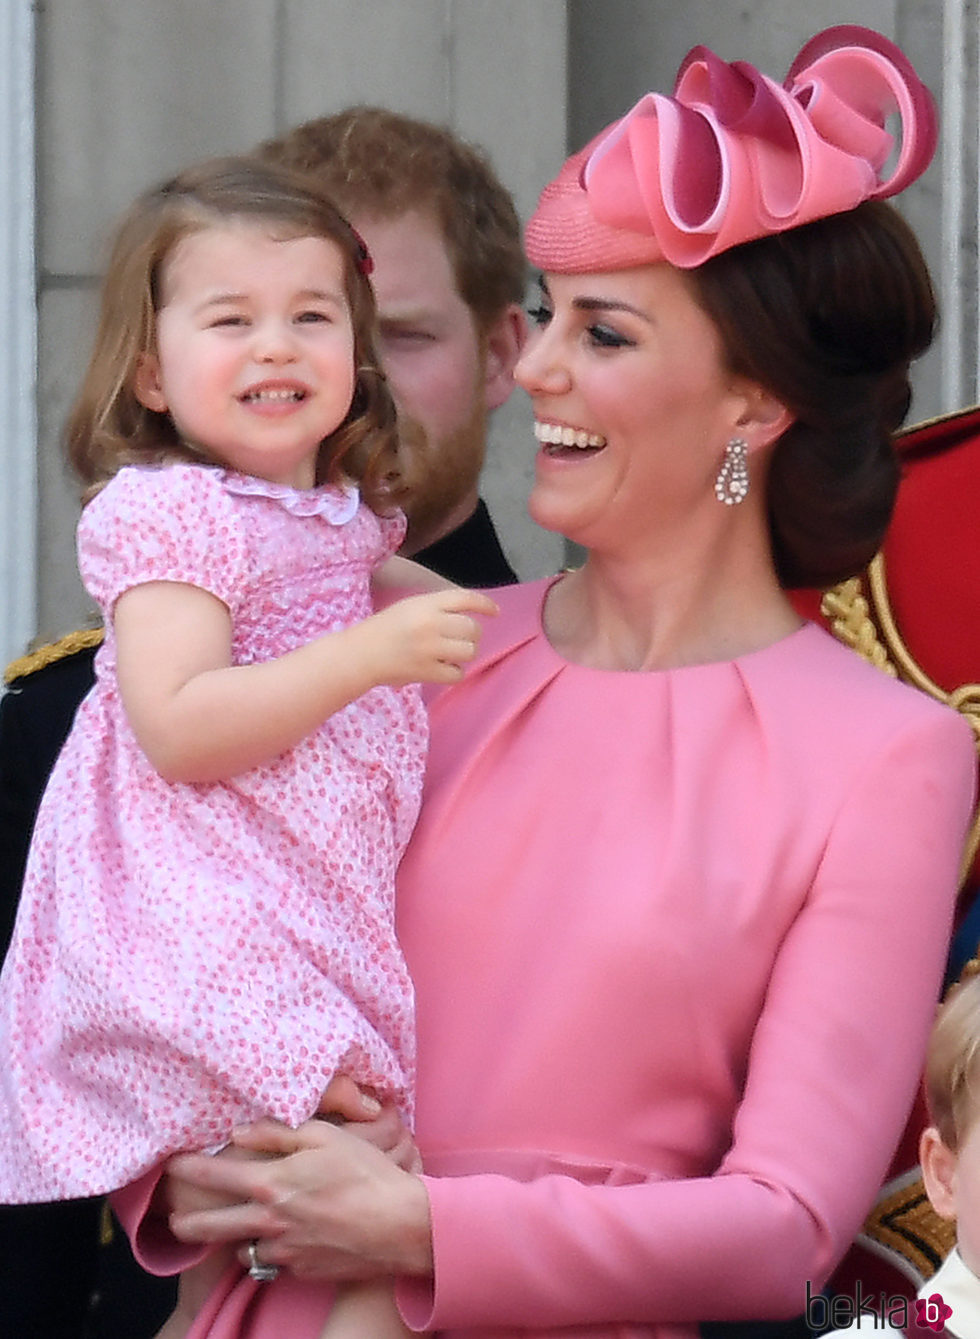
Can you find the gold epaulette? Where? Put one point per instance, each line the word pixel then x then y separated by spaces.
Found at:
pixel 860 615
pixel 904 1229
pixel 79 640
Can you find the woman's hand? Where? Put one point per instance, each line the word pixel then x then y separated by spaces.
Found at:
pixel 326 1204
pixel 183 1197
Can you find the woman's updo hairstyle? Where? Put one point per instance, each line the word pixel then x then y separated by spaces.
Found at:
pixel 828 318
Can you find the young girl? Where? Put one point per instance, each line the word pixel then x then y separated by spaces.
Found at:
pixel 206 930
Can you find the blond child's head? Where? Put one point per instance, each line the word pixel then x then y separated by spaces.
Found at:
pixel 949 1149
pixel 110 424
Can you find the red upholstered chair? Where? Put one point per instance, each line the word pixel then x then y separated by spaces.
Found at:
pixel 915 613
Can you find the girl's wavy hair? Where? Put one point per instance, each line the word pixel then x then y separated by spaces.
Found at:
pixel 109 428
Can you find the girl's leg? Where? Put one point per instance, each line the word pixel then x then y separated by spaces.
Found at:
pixel 193 1291
pixel 363 1309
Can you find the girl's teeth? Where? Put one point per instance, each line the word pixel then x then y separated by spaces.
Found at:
pixel 273 395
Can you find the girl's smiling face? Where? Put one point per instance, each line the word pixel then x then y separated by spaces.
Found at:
pixel 633 403
pixel 254 349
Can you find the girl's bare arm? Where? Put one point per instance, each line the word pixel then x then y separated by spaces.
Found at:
pixel 200 718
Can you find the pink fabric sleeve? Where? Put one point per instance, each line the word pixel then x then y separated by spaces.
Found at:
pixel 154 1246
pixel 392 529
pixel 833 1067
pixel 175 523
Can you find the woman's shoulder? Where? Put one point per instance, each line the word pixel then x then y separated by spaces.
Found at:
pixel 524 600
pixel 515 629
pixel 519 619
pixel 818 688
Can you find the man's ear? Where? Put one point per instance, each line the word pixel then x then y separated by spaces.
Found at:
pixel 502 345
pixel 938 1162
pixel 147 386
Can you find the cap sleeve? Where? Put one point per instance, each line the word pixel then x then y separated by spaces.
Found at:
pixel 175 523
pixel 392 527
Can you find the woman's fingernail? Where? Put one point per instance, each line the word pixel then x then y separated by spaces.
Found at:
pixel 370 1103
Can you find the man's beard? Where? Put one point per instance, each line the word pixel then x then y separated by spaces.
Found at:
pixel 433 477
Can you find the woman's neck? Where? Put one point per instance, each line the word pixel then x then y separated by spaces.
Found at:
pixel 661 614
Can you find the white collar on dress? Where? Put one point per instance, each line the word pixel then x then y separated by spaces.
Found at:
pixel 336 503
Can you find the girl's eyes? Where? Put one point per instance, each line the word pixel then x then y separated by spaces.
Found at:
pixel 539 316
pixel 311 317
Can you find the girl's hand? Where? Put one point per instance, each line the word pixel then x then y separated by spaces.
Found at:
pixel 427 638
pixel 344 1103
pixel 326 1205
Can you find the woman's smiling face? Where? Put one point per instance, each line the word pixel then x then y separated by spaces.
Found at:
pixel 633 403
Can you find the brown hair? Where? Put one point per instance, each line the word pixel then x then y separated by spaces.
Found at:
pixel 378 163
pixel 953 1064
pixel 828 317
pixel 108 426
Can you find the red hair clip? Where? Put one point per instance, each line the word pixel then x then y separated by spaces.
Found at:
pixel 364 261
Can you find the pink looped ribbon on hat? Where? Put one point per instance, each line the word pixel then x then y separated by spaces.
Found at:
pixel 733 156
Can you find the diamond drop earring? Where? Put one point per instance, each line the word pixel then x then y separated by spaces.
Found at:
pixel 732 483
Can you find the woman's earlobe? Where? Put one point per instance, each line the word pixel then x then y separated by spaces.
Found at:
pixel 147 386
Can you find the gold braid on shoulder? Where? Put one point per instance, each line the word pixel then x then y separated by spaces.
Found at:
pixel 52 653
pixel 860 615
pixel 846 610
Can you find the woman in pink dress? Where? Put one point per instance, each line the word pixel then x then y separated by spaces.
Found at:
pixel 206 933
pixel 677 904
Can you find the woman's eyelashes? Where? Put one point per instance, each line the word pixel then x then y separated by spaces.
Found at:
pixel 605 337
pixel 599 334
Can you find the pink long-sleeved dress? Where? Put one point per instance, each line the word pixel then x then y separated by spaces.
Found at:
pixel 676 939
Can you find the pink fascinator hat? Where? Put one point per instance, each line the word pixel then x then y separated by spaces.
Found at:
pixel 733 156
